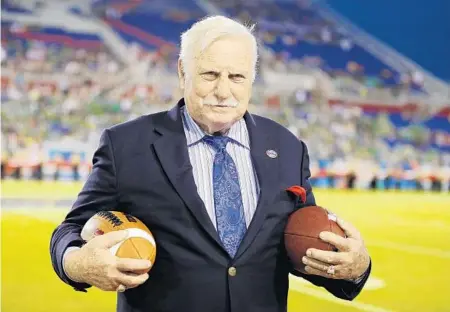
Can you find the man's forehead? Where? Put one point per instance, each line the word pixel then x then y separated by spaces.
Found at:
pixel 227 53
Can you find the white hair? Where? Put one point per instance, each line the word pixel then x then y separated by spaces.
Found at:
pixel 208 30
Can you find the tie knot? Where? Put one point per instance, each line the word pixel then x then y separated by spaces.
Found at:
pixel 219 143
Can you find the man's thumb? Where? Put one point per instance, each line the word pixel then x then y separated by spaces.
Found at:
pixel 110 239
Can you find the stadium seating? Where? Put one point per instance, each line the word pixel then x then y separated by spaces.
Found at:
pixel 62 86
pixel 295 30
pixel 11 7
pixel 378 138
pixel 299 29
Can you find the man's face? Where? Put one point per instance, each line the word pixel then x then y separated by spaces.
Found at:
pixel 219 88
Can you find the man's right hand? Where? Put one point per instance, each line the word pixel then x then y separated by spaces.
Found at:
pixel 95 265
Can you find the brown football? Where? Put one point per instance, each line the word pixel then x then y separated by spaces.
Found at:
pixel 140 243
pixel 302 232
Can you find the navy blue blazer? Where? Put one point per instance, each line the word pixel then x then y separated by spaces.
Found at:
pixel 142 167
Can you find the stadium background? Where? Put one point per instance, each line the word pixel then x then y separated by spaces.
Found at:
pixel 364 84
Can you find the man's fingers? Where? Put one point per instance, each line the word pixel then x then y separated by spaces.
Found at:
pixel 319 265
pixel 314 271
pixel 330 257
pixel 132 265
pixel 130 280
pixel 339 242
pixel 348 228
pixel 109 239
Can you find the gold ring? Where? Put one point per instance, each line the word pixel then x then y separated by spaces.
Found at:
pixel 121 288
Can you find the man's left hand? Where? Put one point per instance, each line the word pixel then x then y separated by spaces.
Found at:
pixel 349 263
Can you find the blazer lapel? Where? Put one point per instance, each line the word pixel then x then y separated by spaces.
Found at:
pixel 262 150
pixel 171 150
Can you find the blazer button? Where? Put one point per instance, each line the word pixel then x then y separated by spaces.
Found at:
pixel 232 271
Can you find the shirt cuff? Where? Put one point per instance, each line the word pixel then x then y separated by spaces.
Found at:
pixel 359 279
pixel 69 249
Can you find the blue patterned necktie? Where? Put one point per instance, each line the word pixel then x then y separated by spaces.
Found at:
pixel 227 196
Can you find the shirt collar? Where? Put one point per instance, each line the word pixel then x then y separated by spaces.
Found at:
pixel 238 131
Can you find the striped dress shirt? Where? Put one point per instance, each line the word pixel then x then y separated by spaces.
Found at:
pixel 202 156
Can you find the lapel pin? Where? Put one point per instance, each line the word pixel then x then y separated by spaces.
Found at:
pixel 271 153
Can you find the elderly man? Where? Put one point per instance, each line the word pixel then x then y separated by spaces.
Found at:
pixel 209 179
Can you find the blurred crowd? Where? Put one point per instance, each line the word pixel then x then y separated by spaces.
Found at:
pixel 56 100
pixel 351 149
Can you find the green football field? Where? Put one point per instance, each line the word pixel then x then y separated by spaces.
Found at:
pixel 407 234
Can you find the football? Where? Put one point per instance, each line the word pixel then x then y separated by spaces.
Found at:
pixel 140 243
pixel 302 232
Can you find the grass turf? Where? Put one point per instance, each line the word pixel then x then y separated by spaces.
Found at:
pixel 407 234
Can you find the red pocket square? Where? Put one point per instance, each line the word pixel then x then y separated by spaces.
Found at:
pixel 298 191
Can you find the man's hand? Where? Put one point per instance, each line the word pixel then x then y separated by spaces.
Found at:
pixel 349 263
pixel 95 265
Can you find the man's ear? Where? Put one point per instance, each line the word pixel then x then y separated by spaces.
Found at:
pixel 181 74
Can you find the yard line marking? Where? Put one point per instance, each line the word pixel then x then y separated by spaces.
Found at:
pixel 296 284
pixel 434 252
pixel 430 224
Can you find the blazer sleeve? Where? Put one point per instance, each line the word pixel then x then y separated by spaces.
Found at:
pixel 98 193
pixel 343 289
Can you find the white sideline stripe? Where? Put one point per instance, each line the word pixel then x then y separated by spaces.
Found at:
pixel 133 232
pixel 372 283
pixel 296 285
pixel 411 249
